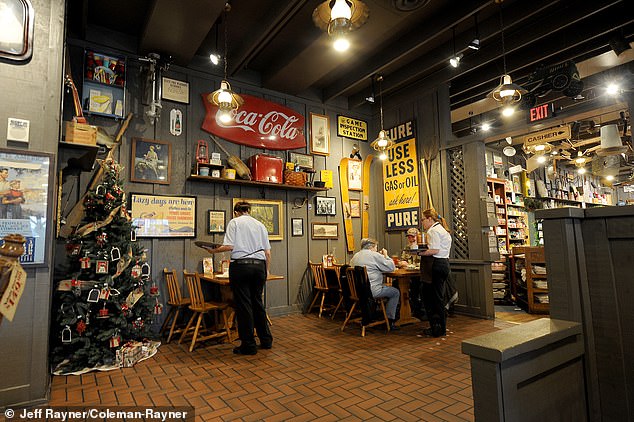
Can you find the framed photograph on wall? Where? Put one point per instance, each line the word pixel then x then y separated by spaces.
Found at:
pixel 355 172
pixel 26 178
pixel 215 221
pixel 297 226
pixel 325 205
pixel 325 230
pixel 163 216
pixel 319 134
pixel 151 161
pixel 268 212
pixel 175 90
pixel 355 208
pixel 304 161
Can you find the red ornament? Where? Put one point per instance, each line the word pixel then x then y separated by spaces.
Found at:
pixel 125 309
pixel 138 323
pixel 102 238
pixel 75 283
pixel 103 313
pixel 110 197
pixel 154 290
pixel 81 327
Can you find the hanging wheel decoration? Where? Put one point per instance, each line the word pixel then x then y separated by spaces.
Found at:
pixel 115 254
pixel 81 327
pixel 66 335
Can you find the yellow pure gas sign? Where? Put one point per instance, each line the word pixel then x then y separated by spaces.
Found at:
pixel 352 128
pixel 400 179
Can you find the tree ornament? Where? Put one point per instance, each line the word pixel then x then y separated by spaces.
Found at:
pixel 158 307
pixel 102 266
pixel 145 271
pixel 85 262
pixel 115 340
pixel 133 236
pixel 104 293
pixel 138 323
pixel 66 335
pixel 154 290
pixel 101 239
pixel 110 197
pixel 136 271
pixel 93 295
pixel 81 327
pixel 100 190
pixel 125 309
pixel 73 249
pixel 103 312
pixel 115 254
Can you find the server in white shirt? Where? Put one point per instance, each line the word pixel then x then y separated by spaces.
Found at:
pixel 439 243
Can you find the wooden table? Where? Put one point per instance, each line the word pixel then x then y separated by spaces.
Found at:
pixel 404 277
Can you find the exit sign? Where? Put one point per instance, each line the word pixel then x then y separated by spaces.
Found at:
pixel 541 112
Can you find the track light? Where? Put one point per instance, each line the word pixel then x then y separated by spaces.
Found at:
pixel 475 43
pixel 455 60
pixel 486 126
pixel 214 58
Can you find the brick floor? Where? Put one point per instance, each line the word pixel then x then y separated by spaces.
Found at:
pixel 313 372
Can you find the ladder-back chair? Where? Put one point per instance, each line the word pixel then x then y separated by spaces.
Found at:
pixel 357 280
pixel 200 307
pixel 177 303
pixel 320 286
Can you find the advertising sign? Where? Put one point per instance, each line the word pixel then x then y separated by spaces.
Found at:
pixel 163 216
pixel 400 179
pixel 258 123
pixel 352 128
pixel 548 135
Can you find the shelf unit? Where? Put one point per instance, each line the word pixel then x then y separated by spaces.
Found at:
pixel 530 290
pixel 500 277
pixel 209 179
pixel 103 88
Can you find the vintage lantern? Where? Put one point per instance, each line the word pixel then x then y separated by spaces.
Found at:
pixel 202 152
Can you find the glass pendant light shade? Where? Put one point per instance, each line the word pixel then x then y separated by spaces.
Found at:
pixel 507 92
pixel 340 9
pixel 382 143
pixel 225 98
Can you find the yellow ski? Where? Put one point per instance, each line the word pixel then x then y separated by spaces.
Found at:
pixel 365 215
pixel 345 204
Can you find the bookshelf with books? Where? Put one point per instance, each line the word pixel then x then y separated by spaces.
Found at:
pixel 499 274
pixel 529 278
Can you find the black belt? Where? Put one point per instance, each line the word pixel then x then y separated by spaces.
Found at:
pixel 248 261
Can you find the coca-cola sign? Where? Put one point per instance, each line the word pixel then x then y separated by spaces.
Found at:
pixel 258 123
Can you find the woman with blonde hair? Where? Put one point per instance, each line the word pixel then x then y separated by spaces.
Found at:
pixel 439 245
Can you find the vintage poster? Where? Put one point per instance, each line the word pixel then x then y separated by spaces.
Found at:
pixel 24 181
pixel 163 216
pixel 400 179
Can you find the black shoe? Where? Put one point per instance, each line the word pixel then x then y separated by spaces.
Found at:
pixel 241 351
pixel 394 327
pixel 431 333
pixel 266 346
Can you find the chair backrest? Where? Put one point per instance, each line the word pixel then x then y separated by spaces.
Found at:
pixel 352 284
pixel 319 275
pixel 337 268
pixel 173 288
pixel 195 289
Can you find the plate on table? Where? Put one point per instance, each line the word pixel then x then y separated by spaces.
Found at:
pixel 412 267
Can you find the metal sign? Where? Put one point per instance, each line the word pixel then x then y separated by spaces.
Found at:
pixel 548 135
pixel 541 112
pixel 352 128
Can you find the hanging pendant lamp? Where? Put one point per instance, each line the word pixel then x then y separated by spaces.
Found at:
pixel 382 143
pixel 338 17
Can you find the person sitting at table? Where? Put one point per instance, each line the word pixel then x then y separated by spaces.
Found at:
pixel 412 244
pixel 415 287
pixel 377 263
pixel 248 241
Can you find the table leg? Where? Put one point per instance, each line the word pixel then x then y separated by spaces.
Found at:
pixel 406 310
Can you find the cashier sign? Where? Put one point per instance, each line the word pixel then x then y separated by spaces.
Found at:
pixel 400 179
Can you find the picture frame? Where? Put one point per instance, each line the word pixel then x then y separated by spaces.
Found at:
pixel 325 205
pixel 319 134
pixel 304 161
pixel 297 227
pixel 325 230
pixel 27 208
pixel 355 208
pixel 216 221
pixel 22 14
pixel 269 212
pixel 151 161
pixel 163 215
pixel 175 90
pixel 355 175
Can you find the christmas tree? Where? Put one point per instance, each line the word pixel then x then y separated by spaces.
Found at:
pixel 105 297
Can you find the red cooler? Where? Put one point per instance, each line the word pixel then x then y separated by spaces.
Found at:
pixel 266 168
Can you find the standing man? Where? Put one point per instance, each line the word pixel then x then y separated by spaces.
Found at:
pixel 248 241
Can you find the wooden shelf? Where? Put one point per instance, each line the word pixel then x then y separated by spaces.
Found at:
pixel 530 255
pixel 209 179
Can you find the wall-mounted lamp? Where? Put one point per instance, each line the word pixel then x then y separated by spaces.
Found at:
pixel 338 17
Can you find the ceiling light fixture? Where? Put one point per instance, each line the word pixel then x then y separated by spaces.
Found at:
pixel 228 102
pixel 509 151
pixel 581 170
pixel 475 43
pixel 454 61
pixel 382 143
pixel 215 56
pixel 486 126
pixel 507 92
pixel 508 111
pixel 338 17
pixel 612 89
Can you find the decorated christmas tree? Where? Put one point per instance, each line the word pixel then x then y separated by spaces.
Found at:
pixel 104 297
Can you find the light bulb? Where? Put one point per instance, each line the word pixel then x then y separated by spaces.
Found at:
pixel 341 44
pixel 609 178
pixel 455 61
pixel 340 10
pixel 486 126
pixel 383 156
pixel 224 97
pixel 581 170
pixel 215 59
pixel 540 147
pixel 541 159
pixel 507 93
pixel 508 111
pixel 580 160
pixel 612 89
pixel 225 116
pixel 382 143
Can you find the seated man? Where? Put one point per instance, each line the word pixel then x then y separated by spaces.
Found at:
pixel 377 263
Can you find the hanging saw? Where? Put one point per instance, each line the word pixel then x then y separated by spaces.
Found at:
pixel 75 215
pixel 234 162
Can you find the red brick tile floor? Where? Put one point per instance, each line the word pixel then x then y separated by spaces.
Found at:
pixel 313 372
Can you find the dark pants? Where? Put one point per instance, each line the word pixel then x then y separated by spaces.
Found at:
pixel 247 283
pixel 416 297
pixel 433 297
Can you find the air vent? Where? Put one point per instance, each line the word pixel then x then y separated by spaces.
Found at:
pixel 408 5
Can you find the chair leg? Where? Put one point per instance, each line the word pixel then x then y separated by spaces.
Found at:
pixel 169 337
pixel 321 306
pixel 337 307
pixel 313 303
pixel 200 317
pixel 167 318
pixel 227 328
pixel 387 321
pixel 343 327
pixel 186 329
pixel 363 331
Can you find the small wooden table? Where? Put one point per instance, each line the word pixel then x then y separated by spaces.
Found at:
pixel 404 277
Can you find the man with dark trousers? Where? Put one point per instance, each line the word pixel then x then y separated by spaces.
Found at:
pixel 248 241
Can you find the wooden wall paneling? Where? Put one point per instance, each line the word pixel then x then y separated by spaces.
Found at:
pixel 473 298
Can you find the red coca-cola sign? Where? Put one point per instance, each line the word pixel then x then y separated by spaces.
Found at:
pixel 258 123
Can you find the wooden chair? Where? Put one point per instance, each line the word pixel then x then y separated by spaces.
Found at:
pixel 337 270
pixel 320 287
pixel 200 308
pixel 358 279
pixel 177 304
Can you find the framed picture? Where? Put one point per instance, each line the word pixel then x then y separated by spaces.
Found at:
pixel 304 161
pixel 163 216
pixel 325 230
pixel 355 171
pixel 151 161
pixel 268 212
pixel 215 221
pixel 319 134
pixel 175 90
pixel 355 208
pixel 26 180
pixel 297 226
pixel 325 205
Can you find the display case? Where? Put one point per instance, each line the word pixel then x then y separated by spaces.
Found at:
pixel 530 278
pixel 103 88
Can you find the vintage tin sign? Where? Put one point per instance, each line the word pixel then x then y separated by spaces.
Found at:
pixel 259 124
